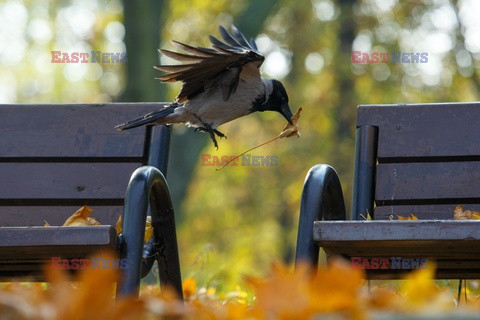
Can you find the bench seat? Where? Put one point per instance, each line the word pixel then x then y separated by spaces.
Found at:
pixel 26 250
pixel 453 244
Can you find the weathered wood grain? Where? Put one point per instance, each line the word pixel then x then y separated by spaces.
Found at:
pixel 428 181
pixel 424 130
pixel 65 180
pixel 73 130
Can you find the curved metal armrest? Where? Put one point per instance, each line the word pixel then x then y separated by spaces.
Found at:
pixel 322 199
pixel 148 185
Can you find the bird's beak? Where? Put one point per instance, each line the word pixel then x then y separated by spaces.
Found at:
pixel 285 111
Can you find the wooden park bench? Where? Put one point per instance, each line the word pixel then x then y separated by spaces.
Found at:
pixel 410 159
pixel 57 158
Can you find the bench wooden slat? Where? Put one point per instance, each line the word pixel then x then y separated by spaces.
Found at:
pixel 438 211
pixel 11 216
pixel 426 181
pixel 74 130
pixel 427 130
pixel 56 236
pixel 426 230
pixel 65 180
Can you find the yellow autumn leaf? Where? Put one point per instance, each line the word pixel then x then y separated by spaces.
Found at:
pixel 385 299
pixel 118 225
pixel 92 295
pixel 148 228
pixel 460 214
pixel 283 295
pixel 421 293
pixel 305 295
pixel 189 287
pixel 410 217
pixel 337 288
pixel 81 217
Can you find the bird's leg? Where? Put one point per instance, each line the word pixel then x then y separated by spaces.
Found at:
pixel 210 131
pixel 208 128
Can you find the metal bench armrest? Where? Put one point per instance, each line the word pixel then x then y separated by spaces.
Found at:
pixel 148 185
pixel 322 199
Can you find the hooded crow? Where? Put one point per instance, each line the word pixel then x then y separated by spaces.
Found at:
pixel 220 84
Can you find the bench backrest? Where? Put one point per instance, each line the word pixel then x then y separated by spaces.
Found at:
pixel 56 158
pixel 422 159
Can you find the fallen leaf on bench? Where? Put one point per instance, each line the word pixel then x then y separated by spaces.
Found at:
pixel 410 217
pixel 460 214
pixel 118 225
pixel 81 218
pixel 289 131
pixel 148 228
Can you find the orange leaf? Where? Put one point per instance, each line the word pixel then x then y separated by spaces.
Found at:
pixel 81 218
pixel 284 295
pixel 410 217
pixel 303 295
pixel 460 214
pixel 337 288
pixel 92 296
pixel 421 293
pixel 118 225
pixel 292 129
pixel 189 287
pixel 148 228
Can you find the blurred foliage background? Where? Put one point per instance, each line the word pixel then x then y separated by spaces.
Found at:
pixel 237 221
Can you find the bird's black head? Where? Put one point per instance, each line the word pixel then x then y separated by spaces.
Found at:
pixel 278 100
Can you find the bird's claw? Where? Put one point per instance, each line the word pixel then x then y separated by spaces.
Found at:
pixel 218 133
pixel 208 128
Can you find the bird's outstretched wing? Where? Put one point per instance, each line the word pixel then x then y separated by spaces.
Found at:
pixel 220 65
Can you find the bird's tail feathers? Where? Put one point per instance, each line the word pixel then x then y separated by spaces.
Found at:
pixel 149 118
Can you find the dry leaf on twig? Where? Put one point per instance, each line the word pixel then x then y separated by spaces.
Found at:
pixel 289 131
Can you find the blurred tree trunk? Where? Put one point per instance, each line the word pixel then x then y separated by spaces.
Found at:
pixel 187 146
pixel 143 22
pixel 461 45
pixel 345 112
